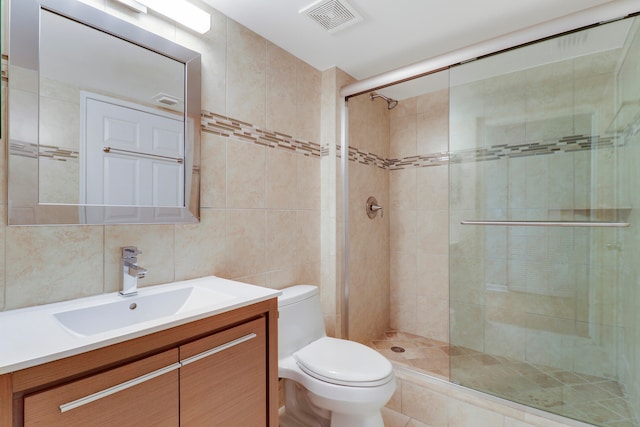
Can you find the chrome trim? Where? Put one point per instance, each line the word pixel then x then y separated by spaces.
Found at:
pixel 218 349
pixel 141 154
pixel 117 388
pixel 546 223
pixel 593 15
pixel 344 163
pixel 24 207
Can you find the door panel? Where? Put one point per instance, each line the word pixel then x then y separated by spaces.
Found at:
pixel 226 384
pixel 151 402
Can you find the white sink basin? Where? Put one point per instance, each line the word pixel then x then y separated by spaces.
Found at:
pixel 35 335
pixel 137 309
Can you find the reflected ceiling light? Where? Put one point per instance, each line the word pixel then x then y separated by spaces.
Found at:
pixel 182 12
pixel 133 5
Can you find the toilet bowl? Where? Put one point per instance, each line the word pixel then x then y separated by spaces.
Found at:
pixel 328 381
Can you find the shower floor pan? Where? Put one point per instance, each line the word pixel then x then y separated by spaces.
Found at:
pixel 595 400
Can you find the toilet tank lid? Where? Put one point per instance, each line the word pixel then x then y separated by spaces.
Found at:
pixel 296 293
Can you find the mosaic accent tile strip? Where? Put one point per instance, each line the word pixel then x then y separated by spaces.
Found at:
pixel 23 149
pixel 420 161
pixel 30 150
pixel 372 159
pixel 366 158
pixel 566 144
pixel 232 128
pixel 57 153
pixel 4 69
pixel 632 129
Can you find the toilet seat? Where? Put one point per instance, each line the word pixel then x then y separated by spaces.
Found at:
pixel 343 362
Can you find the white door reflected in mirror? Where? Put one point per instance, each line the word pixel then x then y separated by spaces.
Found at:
pixel 132 156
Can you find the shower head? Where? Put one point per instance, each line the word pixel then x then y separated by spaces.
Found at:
pixel 391 103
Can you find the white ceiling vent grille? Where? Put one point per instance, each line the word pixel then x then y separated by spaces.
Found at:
pixel 163 98
pixel 333 15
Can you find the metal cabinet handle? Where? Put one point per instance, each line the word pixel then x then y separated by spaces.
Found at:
pixel 143 378
pixel 118 388
pixel 218 349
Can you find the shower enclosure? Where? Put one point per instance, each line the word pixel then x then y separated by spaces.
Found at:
pixel 511 187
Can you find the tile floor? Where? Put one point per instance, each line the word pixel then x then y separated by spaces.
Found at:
pixel 599 401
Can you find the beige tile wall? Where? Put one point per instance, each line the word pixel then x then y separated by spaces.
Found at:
pixel 368 238
pixel 260 206
pixel 418 212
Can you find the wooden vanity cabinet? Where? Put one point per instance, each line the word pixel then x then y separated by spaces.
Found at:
pixel 219 371
pixel 225 375
pixel 151 400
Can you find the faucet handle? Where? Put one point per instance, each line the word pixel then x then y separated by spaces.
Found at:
pixel 130 252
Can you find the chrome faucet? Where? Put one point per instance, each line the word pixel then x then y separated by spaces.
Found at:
pixel 131 271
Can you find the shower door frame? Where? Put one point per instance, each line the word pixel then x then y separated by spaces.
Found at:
pixel 567 24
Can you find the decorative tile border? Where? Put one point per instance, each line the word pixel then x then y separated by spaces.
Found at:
pixel 421 161
pixel 23 149
pixel 567 144
pixel 232 128
pixel 371 159
pixel 4 69
pixel 30 150
pixel 632 129
pixel 57 153
pixel 366 158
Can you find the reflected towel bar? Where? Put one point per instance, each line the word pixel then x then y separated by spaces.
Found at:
pixel 546 223
pixel 139 153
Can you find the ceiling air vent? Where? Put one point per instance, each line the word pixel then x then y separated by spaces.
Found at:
pixel 163 98
pixel 333 15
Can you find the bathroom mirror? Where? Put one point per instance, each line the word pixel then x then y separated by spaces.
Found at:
pixel 104 120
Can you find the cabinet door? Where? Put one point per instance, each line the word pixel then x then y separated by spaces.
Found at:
pixel 223 381
pixel 143 393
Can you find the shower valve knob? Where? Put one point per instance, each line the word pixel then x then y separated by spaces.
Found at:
pixel 372 208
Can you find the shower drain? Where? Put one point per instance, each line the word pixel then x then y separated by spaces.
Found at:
pixel 397 349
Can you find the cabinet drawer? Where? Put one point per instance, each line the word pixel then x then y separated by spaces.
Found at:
pixel 137 394
pixel 224 378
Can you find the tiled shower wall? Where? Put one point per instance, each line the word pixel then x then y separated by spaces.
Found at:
pixel 419 216
pixel 260 201
pixel 368 237
pixel 399 261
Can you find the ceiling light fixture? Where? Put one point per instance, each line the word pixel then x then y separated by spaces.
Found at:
pixel 180 11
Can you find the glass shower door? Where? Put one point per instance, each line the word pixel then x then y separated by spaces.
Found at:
pixel 543 173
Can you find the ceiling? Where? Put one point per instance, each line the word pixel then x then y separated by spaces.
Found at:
pixel 393 33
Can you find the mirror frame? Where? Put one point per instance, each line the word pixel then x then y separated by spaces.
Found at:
pixel 24 35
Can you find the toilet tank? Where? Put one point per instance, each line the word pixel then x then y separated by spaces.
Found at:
pixel 300 319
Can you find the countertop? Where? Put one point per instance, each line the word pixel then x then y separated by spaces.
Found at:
pixel 32 336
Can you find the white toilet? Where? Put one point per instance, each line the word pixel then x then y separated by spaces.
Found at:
pixel 328 381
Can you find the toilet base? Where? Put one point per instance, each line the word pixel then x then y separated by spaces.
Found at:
pixel 300 411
